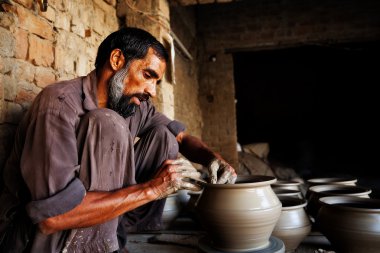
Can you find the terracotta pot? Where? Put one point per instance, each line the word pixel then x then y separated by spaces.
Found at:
pixel 241 216
pixel 351 224
pixel 171 210
pixel 294 223
pixel 316 192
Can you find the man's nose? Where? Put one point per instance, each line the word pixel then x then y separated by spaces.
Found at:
pixel 151 89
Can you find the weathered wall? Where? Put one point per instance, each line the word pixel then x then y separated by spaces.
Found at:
pixel 253 25
pixel 38 48
pixel 186 90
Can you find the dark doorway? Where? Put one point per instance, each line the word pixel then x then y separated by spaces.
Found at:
pixel 317 106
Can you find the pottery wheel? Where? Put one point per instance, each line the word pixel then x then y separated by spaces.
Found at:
pixel 275 246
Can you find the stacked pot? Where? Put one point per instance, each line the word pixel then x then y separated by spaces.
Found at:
pixel 294 223
pixel 345 214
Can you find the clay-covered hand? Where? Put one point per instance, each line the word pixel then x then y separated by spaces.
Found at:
pixel 222 168
pixel 172 176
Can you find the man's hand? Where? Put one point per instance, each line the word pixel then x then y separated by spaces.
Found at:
pixel 169 178
pixel 226 172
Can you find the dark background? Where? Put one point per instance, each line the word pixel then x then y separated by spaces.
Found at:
pixel 316 105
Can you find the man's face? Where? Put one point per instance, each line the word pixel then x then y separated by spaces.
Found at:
pixel 134 83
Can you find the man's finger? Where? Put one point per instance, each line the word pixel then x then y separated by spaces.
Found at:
pixel 182 161
pixel 190 186
pixel 213 170
pixel 224 177
pixel 186 168
pixel 191 174
pixel 232 178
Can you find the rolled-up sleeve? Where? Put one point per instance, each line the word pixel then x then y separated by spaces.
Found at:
pixel 176 127
pixel 57 204
pixel 49 162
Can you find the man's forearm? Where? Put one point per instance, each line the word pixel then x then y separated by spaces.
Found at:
pixel 99 207
pixel 196 150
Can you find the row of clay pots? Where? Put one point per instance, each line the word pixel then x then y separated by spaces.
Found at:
pixel 319 191
pixel 298 212
pixel 345 214
pixel 351 224
pixel 245 216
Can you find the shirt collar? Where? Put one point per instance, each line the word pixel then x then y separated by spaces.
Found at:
pixel 90 82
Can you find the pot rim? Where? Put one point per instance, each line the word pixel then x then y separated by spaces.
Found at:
pixel 287 183
pixel 332 180
pixel 322 189
pixel 289 203
pixel 350 203
pixel 246 181
pixel 285 191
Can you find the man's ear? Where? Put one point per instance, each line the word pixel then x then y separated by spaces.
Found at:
pixel 117 60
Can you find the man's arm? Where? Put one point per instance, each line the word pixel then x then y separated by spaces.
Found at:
pixel 99 207
pixel 197 151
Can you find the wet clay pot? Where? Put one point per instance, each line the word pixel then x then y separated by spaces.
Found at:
pixel 239 217
pixel 316 192
pixel 351 224
pixel 294 223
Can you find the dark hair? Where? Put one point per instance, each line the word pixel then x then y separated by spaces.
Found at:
pixel 133 42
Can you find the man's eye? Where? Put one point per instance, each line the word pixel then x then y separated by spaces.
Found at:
pixel 147 75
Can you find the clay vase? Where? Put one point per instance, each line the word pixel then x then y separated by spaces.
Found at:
pixel 351 224
pixel 294 223
pixel 171 210
pixel 241 216
pixel 318 191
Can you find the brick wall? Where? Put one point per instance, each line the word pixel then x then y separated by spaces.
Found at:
pixel 254 25
pixel 38 48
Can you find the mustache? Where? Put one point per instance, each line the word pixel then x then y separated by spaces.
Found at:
pixel 141 96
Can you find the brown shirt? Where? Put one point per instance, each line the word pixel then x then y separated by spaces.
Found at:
pixel 45 158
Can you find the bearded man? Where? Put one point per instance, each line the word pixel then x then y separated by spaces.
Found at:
pixel 77 179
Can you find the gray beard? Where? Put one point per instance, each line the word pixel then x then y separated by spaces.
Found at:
pixel 117 101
